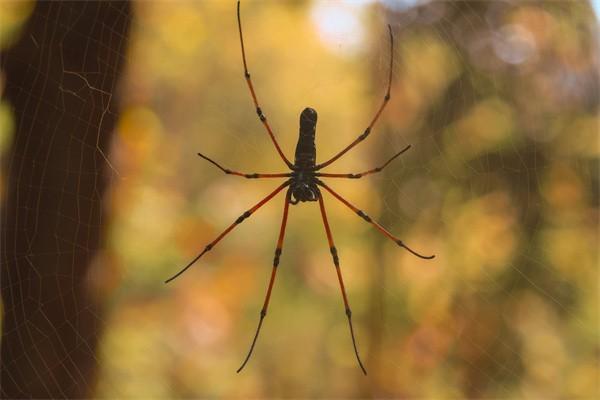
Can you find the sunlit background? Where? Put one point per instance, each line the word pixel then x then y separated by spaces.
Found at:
pixel 499 101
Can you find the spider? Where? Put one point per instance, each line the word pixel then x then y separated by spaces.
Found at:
pixel 303 185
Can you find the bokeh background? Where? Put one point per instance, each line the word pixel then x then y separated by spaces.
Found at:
pixel 499 101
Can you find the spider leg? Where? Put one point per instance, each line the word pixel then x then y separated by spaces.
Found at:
pixel 364 216
pixel 259 112
pixel 361 174
pixel 263 311
pixel 245 175
pixel 238 221
pixel 367 131
pixel 336 262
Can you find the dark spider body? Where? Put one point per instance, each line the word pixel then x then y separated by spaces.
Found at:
pixel 303 184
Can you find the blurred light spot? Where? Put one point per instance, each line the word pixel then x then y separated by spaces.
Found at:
pixel 596 7
pixel 138 234
pixel 138 129
pixel 514 44
pixel 430 66
pixel 488 126
pixel 339 25
pixel 538 22
pixel 583 134
pixel 182 27
pixel 543 352
pixel 562 189
pixel 13 14
pixel 402 5
pixel 486 231
pixel 205 319
pixel 7 126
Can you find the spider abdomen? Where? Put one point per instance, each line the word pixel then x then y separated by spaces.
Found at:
pixel 306 151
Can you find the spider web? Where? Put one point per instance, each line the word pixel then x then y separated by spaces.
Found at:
pixel 499 101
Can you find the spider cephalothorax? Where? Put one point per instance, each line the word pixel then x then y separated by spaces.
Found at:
pixel 303 185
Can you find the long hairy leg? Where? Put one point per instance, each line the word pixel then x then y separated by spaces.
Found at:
pixel 361 174
pixel 259 111
pixel 336 262
pixel 263 311
pixel 368 219
pixel 244 174
pixel 238 221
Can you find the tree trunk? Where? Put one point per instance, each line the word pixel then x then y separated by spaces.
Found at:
pixel 60 81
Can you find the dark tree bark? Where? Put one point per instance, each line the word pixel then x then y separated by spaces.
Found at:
pixel 60 80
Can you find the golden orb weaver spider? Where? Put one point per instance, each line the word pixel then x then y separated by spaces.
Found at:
pixel 303 186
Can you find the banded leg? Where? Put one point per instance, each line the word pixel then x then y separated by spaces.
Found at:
pixel 361 174
pixel 263 311
pixel 364 216
pixel 245 175
pixel 259 112
pixel 238 221
pixel 367 131
pixel 336 262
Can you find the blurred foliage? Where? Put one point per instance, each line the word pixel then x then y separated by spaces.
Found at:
pixel 500 103
pixel 12 16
